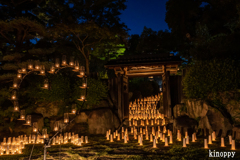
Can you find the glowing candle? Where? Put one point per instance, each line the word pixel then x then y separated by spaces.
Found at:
pixel 154 143
pixel 193 138
pixel 230 140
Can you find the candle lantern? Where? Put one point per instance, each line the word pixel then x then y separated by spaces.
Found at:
pixel 64 60
pixel 52 69
pixel 230 140
pixel 14 95
pixel 74 108
pixel 84 84
pixel 71 61
pixel 19 75
pixel 42 70
pixel 35 126
pixel 16 106
pixel 76 67
pixel 28 119
pixel 56 126
pixel 66 118
pixel 82 97
pixel 37 66
pixel 46 84
pixel 57 63
pixel 44 133
pixel 82 71
pixel 15 83
pixel 30 65
pixel 184 142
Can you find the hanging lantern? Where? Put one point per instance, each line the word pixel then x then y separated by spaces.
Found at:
pixel 56 126
pixel 28 120
pixel 37 66
pixel 15 83
pixel 14 95
pixel 84 84
pixel 44 133
pixel 71 62
pixel 19 75
pixel 64 60
pixel 52 69
pixel 16 106
pixel 23 70
pixel 42 70
pixel 46 84
pixel 76 68
pixel 66 118
pixel 74 109
pixel 57 63
pixel 82 97
pixel 22 115
pixel 30 65
pixel 35 126
pixel 82 71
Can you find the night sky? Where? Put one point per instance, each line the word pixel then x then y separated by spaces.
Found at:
pixel 140 13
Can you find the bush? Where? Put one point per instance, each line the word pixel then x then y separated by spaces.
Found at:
pixel 211 77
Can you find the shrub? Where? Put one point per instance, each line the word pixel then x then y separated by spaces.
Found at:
pixel 211 77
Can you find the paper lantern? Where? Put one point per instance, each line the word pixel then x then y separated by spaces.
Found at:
pixel 222 142
pixel 213 136
pixel 28 119
pixel 170 139
pixel 66 118
pixel 64 60
pixel 233 145
pixel 230 140
pixel 184 142
pixel 205 144
pixel 16 106
pixel 125 139
pixel 166 142
pixel 187 140
pixel 154 143
pixel 86 139
pixel 163 137
pixel 209 139
pixel 193 137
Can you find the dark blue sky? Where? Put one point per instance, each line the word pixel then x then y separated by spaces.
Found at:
pixel 140 13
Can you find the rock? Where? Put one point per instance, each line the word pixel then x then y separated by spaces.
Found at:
pixel 179 110
pixel 217 122
pixel 101 120
pixel 233 108
pixel 82 117
pixel 236 132
pixel 196 108
pixel 48 110
pixel 184 123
